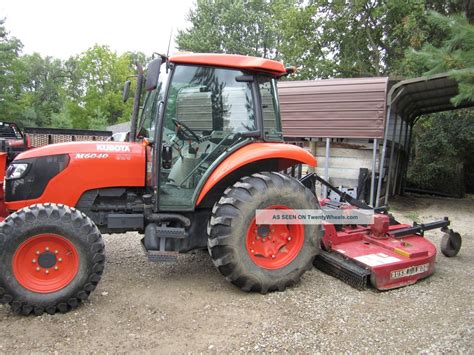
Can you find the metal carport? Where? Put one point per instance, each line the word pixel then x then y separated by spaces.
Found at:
pixel 407 101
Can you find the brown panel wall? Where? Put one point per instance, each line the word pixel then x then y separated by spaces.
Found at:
pixel 334 108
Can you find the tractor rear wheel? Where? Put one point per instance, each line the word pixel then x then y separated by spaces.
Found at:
pixel 52 258
pixel 262 258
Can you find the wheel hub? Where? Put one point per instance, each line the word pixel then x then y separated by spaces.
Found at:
pixel 263 230
pixel 45 263
pixel 47 260
pixel 274 246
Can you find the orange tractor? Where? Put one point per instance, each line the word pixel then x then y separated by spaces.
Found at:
pixel 204 154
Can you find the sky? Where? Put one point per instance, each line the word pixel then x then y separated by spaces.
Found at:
pixel 68 27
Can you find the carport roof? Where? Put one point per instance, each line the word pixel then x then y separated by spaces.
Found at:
pixel 412 98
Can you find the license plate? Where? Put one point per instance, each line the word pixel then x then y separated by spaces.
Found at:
pixel 409 271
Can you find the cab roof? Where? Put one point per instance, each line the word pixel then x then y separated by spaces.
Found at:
pixel 231 61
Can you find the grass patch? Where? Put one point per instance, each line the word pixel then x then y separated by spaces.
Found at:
pixel 415 217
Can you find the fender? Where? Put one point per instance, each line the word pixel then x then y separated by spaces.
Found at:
pixel 288 154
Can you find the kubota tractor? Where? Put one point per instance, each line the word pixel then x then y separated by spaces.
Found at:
pixel 204 155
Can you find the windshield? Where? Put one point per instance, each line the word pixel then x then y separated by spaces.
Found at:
pixel 148 122
pixel 210 99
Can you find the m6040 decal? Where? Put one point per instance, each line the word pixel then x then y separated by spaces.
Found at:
pixel 92 155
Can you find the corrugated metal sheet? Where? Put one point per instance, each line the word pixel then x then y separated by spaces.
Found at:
pixel 334 108
pixel 423 95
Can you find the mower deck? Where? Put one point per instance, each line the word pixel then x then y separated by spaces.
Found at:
pixel 392 262
pixel 387 253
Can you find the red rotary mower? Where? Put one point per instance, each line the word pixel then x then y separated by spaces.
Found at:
pixel 385 254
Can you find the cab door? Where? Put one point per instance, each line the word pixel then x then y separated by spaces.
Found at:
pixel 206 111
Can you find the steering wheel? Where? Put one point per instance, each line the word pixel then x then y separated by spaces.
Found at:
pixel 185 132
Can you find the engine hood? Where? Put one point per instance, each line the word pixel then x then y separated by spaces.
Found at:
pixel 82 147
pixel 62 173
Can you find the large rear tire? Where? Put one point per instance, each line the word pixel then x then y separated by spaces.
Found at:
pixel 51 259
pixel 262 258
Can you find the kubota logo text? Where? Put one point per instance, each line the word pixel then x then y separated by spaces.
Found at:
pixel 113 148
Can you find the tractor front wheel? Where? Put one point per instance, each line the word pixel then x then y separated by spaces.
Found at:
pixel 266 257
pixel 52 258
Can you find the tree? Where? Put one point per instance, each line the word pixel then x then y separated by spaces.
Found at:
pixel 62 119
pixel 443 154
pixel 95 88
pixel 236 27
pixel 323 38
pixel 42 89
pixel 343 38
pixel 454 55
pixel 98 120
pixel 10 80
pixel 444 145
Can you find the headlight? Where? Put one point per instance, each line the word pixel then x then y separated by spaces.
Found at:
pixel 16 170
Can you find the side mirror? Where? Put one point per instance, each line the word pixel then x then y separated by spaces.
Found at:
pixel 126 90
pixel 166 157
pixel 152 74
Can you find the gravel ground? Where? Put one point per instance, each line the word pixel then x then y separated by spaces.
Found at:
pixel 189 307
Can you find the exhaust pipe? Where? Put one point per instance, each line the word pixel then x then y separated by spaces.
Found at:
pixel 136 104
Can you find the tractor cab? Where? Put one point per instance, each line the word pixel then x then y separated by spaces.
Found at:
pixel 196 110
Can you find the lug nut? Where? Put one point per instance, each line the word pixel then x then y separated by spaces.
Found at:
pixel 252 251
pixel 46 272
pixel 289 238
pixel 273 256
pixel 56 268
pixel 47 248
pixel 55 252
pixel 60 259
pixel 33 261
pixel 37 252
pixel 38 269
pixel 264 239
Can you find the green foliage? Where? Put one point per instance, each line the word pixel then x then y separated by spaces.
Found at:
pixel 62 119
pixel 10 73
pixel 322 38
pixel 454 55
pixel 98 120
pixel 84 91
pixel 96 87
pixel 444 149
pixel 42 88
pixel 236 27
pixel 443 152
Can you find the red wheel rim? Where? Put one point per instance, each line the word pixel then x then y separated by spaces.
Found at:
pixel 277 245
pixel 45 263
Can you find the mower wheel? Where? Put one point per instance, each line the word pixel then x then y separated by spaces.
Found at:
pixel 451 244
pixel 262 258
pixel 51 259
